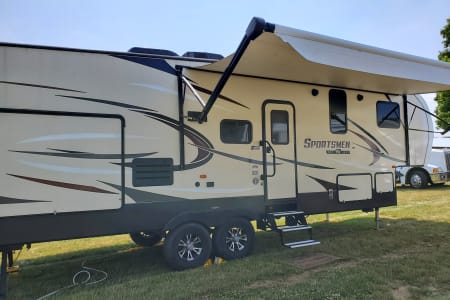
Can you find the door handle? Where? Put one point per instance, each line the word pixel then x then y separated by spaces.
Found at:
pixel 270 149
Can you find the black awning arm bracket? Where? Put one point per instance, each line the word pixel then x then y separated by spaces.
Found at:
pixel 256 27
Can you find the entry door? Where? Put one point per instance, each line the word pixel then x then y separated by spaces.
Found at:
pixel 279 151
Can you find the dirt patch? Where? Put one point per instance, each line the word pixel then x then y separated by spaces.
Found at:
pixel 401 293
pixel 314 261
pixel 287 281
pixel 264 284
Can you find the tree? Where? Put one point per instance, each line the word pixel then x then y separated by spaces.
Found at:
pixel 443 98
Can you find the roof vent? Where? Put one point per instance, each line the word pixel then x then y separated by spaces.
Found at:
pixel 153 51
pixel 205 55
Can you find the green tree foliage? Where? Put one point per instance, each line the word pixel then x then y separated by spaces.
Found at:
pixel 443 98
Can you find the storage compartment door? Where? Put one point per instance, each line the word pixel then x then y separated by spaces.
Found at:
pixel 354 187
pixel 384 183
pixel 57 163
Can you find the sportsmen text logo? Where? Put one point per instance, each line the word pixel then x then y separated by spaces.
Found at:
pixel 332 147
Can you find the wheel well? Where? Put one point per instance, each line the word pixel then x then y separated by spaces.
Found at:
pixel 417 169
pixel 208 219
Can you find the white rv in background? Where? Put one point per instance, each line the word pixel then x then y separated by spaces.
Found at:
pixel 440 158
pixel 435 171
pixel 427 166
pixel 193 148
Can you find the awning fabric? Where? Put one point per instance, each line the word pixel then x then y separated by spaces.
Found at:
pixel 300 56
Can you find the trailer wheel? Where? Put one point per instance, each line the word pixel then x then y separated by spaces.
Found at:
pixel 418 179
pixel 234 239
pixel 188 246
pixel 145 238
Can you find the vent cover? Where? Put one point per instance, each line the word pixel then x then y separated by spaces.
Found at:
pixel 152 171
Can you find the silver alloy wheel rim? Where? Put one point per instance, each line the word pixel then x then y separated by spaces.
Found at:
pixel 236 239
pixel 189 247
pixel 416 180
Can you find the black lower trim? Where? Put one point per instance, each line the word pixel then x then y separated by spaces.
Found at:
pixel 317 203
pixel 156 216
pixel 130 218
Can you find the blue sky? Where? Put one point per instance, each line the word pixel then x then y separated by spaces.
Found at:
pixel 410 26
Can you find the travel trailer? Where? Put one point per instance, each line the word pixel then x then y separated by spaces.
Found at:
pixel 193 148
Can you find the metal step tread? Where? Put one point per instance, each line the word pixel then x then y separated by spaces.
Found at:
pixel 285 213
pixel 294 228
pixel 302 243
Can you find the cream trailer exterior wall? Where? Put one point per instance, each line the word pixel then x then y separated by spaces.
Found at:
pixel 193 148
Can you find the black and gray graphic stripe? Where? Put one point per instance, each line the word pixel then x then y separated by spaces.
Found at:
pixel 41 86
pixel 8 200
pixel 85 155
pixel 107 102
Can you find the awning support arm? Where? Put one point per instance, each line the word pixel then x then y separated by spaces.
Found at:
pixel 196 95
pixel 256 27
pixel 405 114
pixel 447 129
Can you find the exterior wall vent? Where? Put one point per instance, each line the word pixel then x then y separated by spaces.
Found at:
pixel 152 171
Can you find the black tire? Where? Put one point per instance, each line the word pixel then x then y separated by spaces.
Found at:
pixel 145 238
pixel 188 246
pixel 418 179
pixel 234 239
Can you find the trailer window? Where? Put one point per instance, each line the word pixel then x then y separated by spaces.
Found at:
pixel 280 127
pixel 236 131
pixel 338 111
pixel 388 114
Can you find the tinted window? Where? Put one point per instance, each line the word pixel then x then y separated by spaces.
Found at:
pixel 236 131
pixel 338 111
pixel 388 114
pixel 279 127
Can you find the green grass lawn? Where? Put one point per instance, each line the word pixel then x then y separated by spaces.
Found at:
pixel 408 258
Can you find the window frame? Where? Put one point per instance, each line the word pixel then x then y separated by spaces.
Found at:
pixel 333 98
pixel 234 142
pixel 397 108
pixel 272 123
